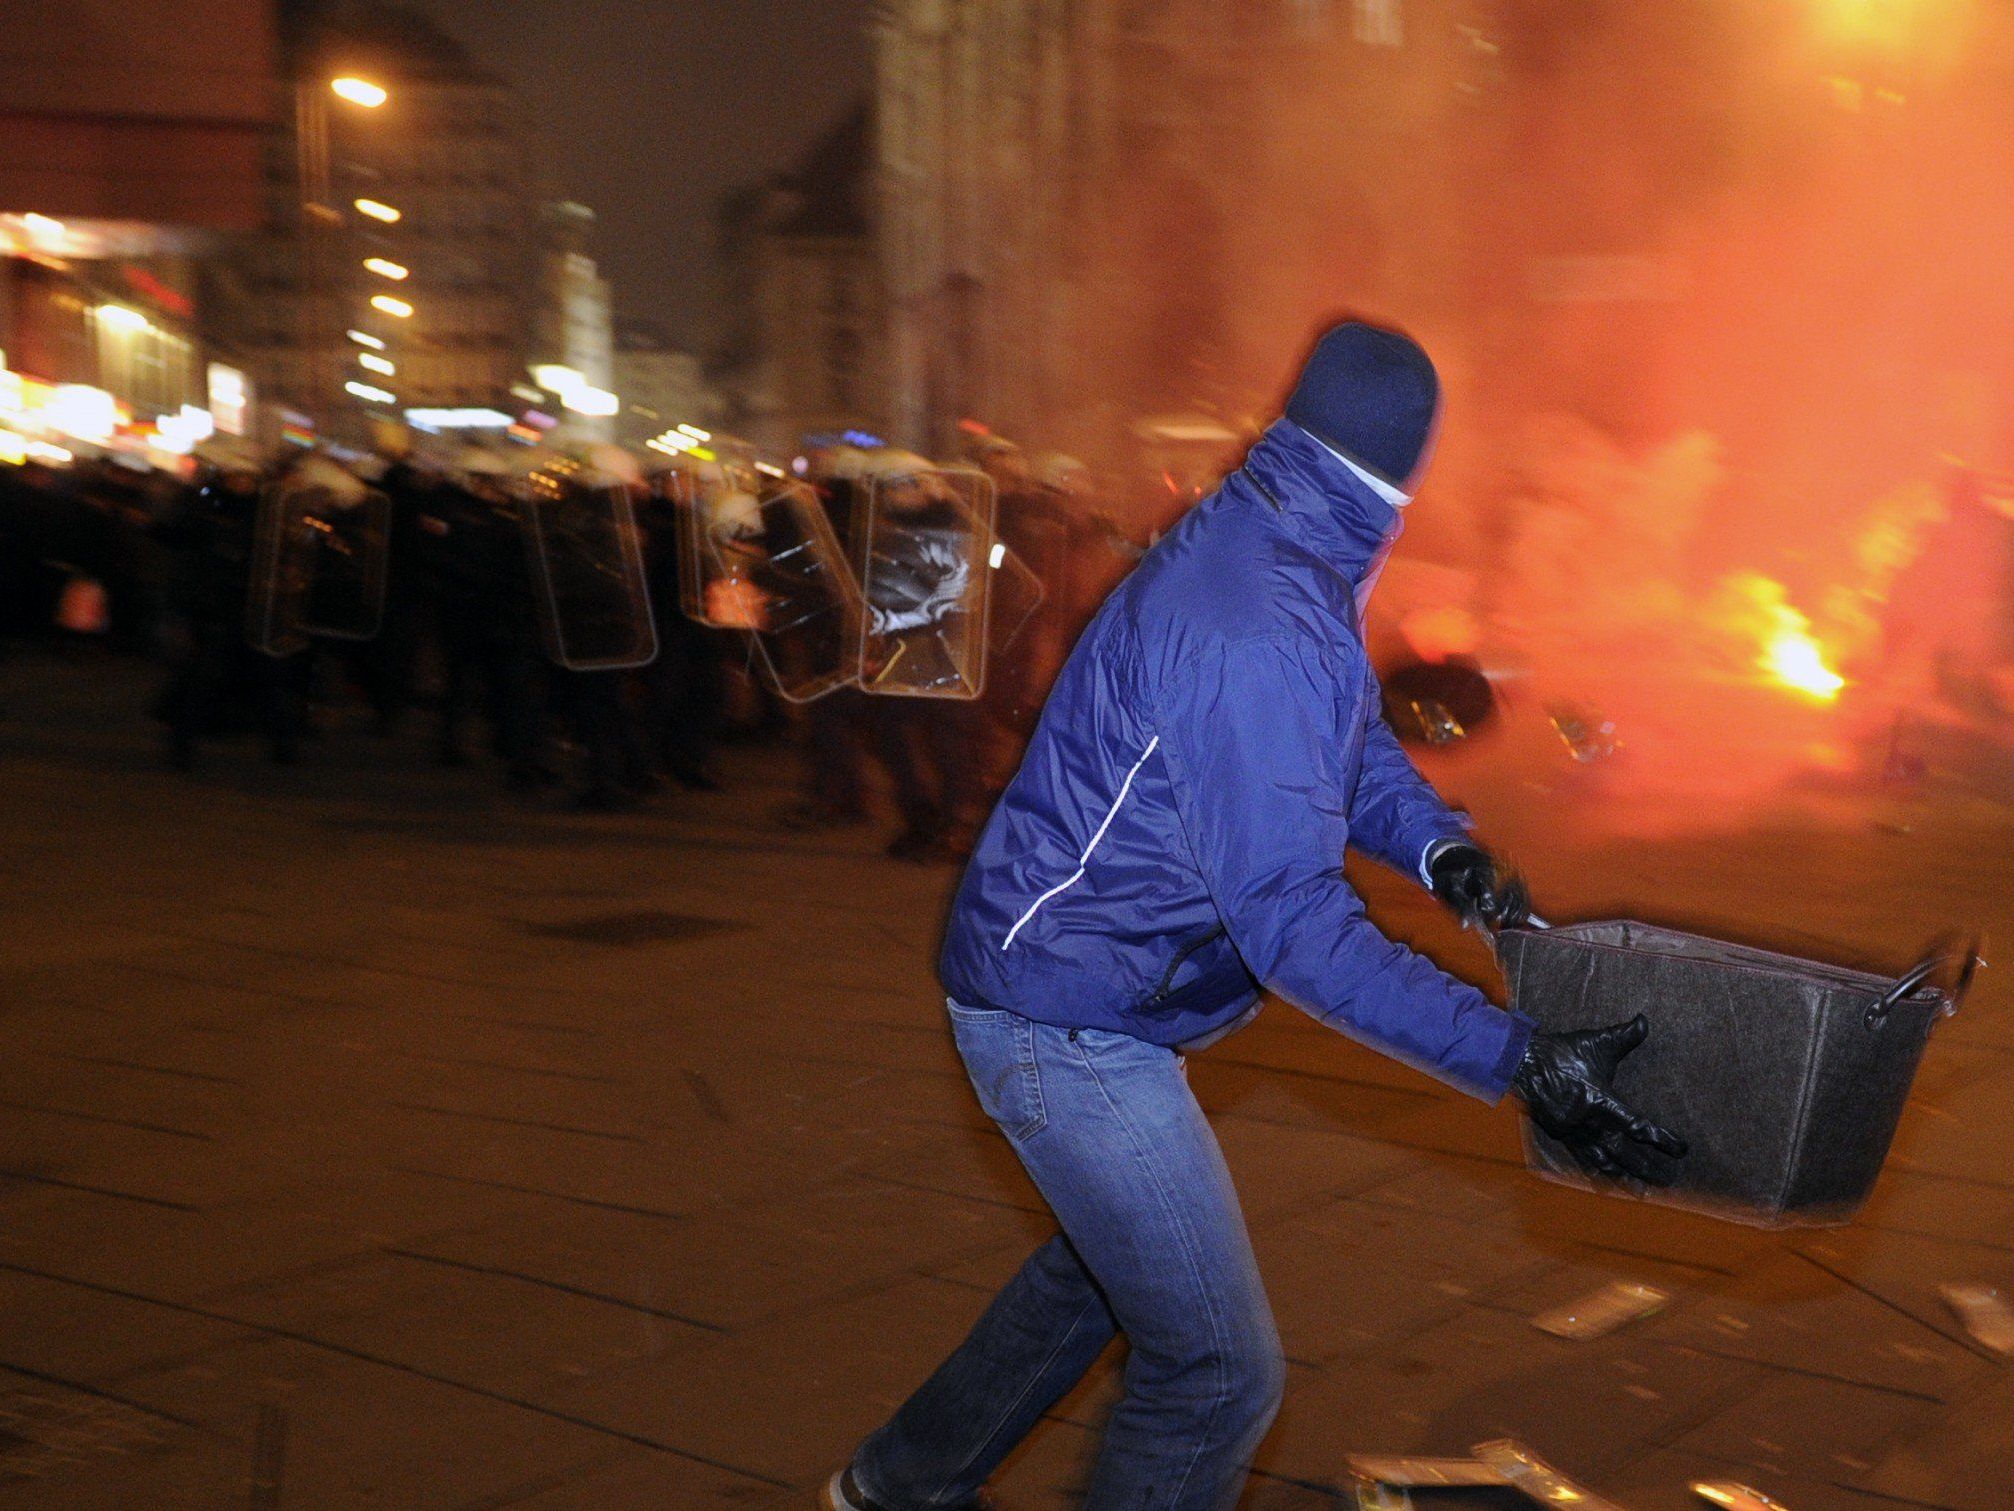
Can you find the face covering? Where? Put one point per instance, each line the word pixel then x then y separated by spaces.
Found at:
pixel 1368 581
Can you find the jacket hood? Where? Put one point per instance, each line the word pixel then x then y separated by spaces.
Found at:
pixel 1321 500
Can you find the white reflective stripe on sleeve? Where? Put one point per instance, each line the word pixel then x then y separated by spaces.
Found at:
pixel 1084 860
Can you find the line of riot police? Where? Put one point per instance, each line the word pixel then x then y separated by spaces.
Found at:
pixel 893 612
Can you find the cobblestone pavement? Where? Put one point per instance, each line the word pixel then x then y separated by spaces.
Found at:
pixel 368 1138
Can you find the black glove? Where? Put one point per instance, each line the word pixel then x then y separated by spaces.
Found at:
pixel 1466 879
pixel 1567 1080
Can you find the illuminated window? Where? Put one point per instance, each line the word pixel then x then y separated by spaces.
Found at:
pixel 1380 23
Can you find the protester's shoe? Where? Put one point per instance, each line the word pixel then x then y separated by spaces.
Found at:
pixel 842 1494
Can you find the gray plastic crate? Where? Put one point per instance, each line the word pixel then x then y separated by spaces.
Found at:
pixel 1786 1077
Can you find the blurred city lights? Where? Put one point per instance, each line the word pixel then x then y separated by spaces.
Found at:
pixel 378 210
pixel 363 338
pixel 230 398
pixel 695 432
pixel 119 318
pixel 369 394
pixel 385 304
pixel 78 409
pixel 459 419
pixel 179 434
pixel 359 92
pixel 557 378
pixel 373 363
pixel 43 225
pixel 384 267
pixel 589 400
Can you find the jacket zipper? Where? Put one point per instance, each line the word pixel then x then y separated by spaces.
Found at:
pixel 1181 958
pixel 1085 859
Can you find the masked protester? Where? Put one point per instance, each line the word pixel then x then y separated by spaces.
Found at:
pixel 1172 843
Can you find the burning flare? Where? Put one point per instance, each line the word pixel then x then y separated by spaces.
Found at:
pixel 1796 660
pixel 1757 610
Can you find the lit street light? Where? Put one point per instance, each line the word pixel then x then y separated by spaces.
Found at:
pixel 119 318
pixel 378 210
pixel 364 339
pixel 370 394
pixel 359 92
pixel 371 362
pixel 385 304
pixel 384 267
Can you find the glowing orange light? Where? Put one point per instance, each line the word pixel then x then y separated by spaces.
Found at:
pixel 1756 611
pixel 1797 661
pixel 359 92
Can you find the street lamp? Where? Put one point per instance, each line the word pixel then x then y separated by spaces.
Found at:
pixel 321 223
pixel 359 92
pixel 385 304
pixel 119 318
pixel 378 210
pixel 384 267
pixel 371 362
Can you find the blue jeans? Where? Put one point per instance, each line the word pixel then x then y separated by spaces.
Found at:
pixel 1153 1246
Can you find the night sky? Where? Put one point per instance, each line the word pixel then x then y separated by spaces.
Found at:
pixel 646 110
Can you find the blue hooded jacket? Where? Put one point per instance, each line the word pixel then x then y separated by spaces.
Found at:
pixel 1175 835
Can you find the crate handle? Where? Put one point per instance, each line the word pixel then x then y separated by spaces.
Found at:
pixel 1922 971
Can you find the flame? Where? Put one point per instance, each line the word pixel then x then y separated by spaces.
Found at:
pixel 1757 610
pixel 1798 661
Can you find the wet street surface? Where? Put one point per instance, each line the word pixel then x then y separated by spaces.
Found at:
pixel 368 1137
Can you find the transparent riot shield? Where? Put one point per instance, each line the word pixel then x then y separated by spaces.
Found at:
pixel 1015 598
pixel 1023 653
pixel 925 548
pixel 320 552
pixel 796 595
pixel 587 573
pixel 719 521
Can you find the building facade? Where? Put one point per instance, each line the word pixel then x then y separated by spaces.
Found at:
pixel 1656 220
pixel 1089 209
pixel 129 143
pixel 572 321
pixel 399 265
pixel 808 354
pixel 661 387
